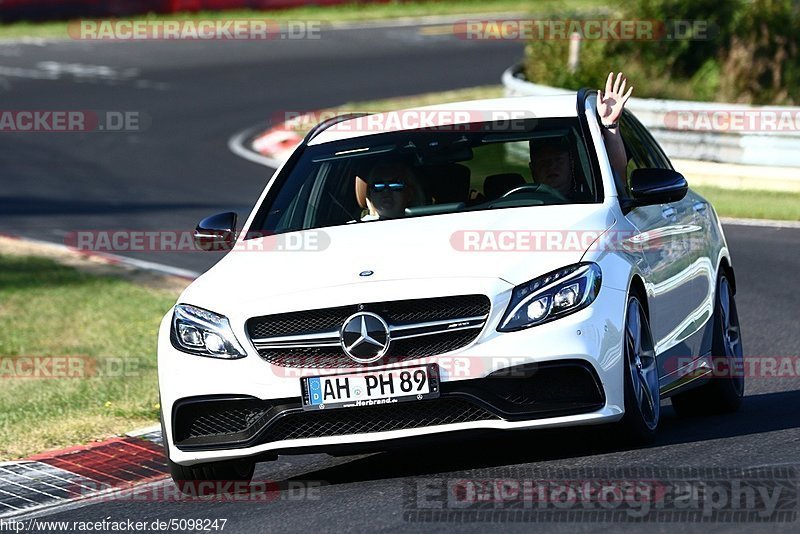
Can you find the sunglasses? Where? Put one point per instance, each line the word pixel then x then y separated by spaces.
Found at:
pixel 391 186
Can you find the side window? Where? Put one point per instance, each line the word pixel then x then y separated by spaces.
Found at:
pixel 634 161
pixel 634 150
pixel 642 150
pixel 635 145
pixel 655 155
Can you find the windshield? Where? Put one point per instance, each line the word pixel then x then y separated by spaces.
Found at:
pixel 431 172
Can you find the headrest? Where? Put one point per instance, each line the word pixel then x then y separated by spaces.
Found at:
pixel 447 183
pixel 361 192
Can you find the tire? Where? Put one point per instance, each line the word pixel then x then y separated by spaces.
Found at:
pixel 642 399
pixel 209 478
pixel 724 391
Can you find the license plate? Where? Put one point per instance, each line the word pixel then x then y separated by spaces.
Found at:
pixel 373 388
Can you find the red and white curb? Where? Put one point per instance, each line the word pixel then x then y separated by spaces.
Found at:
pixel 271 147
pixel 79 473
pixel 276 142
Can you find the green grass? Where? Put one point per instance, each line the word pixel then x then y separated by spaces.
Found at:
pixel 752 204
pixel 47 309
pixel 341 13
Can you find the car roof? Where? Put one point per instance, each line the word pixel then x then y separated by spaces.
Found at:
pixel 451 114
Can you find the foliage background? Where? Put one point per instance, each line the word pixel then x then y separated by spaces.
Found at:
pixel 749 56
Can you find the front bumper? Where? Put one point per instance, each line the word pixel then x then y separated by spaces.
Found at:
pixel 193 387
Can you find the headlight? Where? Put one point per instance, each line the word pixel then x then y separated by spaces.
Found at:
pixel 205 333
pixel 552 296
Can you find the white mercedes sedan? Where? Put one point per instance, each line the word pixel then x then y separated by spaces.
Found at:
pixel 479 266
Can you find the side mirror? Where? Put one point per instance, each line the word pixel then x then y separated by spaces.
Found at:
pixel 657 186
pixel 217 232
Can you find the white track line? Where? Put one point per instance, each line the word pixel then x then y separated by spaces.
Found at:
pixel 144 431
pixel 763 223
pixel 115 258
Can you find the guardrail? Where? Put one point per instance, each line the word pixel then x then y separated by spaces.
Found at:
pixel 663 118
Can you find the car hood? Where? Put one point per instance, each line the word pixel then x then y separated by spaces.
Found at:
pixel 484 244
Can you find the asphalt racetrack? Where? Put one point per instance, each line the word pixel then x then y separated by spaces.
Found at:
pixel 193 97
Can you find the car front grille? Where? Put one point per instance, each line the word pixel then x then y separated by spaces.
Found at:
pixel 224 422
pixel 296 323
pixel 208 424
pixel 401 350
pixel 555 383
pixel 383 418
pixel 230 419
pixel 420 328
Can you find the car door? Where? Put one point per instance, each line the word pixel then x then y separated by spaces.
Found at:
pixel 701 233
pixel 696 229
pixel 664 231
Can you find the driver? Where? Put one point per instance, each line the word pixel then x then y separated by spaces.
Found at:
pixel 553 164
pixel 389 190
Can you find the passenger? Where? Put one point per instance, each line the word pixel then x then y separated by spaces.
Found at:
pixel 610 104
pixel 553 164
pixel 553 161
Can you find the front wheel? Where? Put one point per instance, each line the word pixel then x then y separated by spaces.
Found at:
pixel 642 398
pixel 723 393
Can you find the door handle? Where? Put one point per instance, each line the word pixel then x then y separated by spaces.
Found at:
pixel 668 212
pixel 700 207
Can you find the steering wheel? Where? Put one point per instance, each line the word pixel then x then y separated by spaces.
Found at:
pixel 535 188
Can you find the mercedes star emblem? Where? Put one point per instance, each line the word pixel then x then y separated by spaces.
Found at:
pixel 365 337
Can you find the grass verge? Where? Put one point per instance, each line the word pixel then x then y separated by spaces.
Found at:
pixel 752 204
pixel 353 12
pixel 105 323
